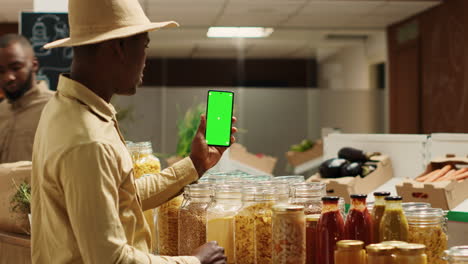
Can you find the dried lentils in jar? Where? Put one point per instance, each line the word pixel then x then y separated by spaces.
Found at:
pixel 288 235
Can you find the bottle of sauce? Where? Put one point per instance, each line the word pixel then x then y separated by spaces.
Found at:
pixel 350 252
pixel 358 225
pixel 393 225
pixel 377 213
pixel 330 230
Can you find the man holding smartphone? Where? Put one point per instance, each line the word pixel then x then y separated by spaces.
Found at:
pixel 87 206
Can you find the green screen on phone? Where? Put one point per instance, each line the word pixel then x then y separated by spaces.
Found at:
pixel 219 118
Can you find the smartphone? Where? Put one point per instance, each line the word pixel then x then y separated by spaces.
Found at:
pixel 219 109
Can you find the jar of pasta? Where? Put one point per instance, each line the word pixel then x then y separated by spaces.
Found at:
pixel 457 255
pixel 192 217
pixel 426 226
pixel 411 254
pixel 288 234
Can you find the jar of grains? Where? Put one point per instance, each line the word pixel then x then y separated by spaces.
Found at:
pixel 220 218
pixel 457 255
pixel 288 234
pixel 192 217
pixel 168 226
pixel 426 226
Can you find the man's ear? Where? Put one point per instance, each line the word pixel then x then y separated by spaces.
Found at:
pixel 35 65
pixel 118 48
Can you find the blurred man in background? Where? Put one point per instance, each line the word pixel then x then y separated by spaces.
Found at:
pixel 24 98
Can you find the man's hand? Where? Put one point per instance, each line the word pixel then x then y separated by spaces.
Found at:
pixel 210 253
pixel 203 156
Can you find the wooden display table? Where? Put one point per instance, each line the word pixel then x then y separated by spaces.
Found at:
pixel 15 248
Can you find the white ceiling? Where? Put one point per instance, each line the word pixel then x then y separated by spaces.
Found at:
pixel 301 26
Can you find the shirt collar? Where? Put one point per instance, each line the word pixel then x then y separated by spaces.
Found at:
pixel 75 90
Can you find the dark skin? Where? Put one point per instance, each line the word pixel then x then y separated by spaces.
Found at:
pixel 18 67
pixel 124 61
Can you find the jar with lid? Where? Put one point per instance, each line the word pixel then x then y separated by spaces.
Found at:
pixel 244 225
pixel 144 162
pixel 308 195
pixel 350 252
pixel 377 212
pixel 290 180
pixel 426 226
pixel 380 254
pixel 411 254
pixel 358 225
pixel 393 225
pixel 457 255
pixel 330 230
pixel 192 217
pixel 288 234
pixel 220 218
pixel 415 205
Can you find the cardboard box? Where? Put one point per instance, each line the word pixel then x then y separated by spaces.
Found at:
pixel 344 187
pixel 263 163
pixel 9 172
pixel 297 158
pixel 444 194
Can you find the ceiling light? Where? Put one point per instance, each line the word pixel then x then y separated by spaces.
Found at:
pixel 239 32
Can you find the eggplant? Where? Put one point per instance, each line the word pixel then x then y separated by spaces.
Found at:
pixel 352 169
pixel 332 168
pixel 355 155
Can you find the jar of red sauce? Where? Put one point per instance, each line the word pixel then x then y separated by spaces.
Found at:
pixel 358 225
pixel 330 230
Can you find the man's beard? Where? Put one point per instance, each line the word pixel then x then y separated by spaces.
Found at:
pixel 13 96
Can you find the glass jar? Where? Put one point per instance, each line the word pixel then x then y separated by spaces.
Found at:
pixel 192 217
pixel 411 254
pixel 457 255
pixel 220 218
pixel 393 225
pixel 311 238
pixel 263 225
pixel 308 195
pixel 358 225
pixel 330 230
pixel 350 252
pixel 291 179
pixel 426 226
pixel 380 254
pixel 415 205
pixel 244 225
pixel 377 213
pixel 144 162
pixel 288 234
pixel 168 226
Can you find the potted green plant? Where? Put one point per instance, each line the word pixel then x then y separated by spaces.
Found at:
pixel 21 200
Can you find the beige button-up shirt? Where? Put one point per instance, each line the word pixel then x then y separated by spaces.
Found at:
pixel 18 123
pixel 86 203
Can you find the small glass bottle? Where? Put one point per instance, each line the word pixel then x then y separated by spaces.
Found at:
pixel 393 225
pixel 192 217
pixel 288 234
pixel 330 230
pixel 358 225
pixel 426 226
pixel 380 254
pixel 411 254
pixel 220 218
pixel 308 195
pixel 377 212
pixel 350 252
pixel 311 238
pixel 457 255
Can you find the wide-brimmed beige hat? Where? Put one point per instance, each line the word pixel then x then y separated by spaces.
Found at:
pixel 94 21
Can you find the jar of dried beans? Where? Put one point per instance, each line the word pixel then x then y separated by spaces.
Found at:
pixel 192 217
pixel 288 234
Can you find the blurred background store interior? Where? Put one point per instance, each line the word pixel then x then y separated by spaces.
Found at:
pixel 375 66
